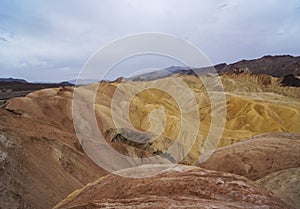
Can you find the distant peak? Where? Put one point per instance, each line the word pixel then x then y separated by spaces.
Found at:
pixel 13 80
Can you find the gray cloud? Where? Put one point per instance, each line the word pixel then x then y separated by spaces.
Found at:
pixel 50 41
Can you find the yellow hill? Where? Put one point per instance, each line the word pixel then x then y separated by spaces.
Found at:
pixel 177 107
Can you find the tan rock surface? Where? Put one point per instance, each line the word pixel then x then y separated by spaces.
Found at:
pixel 41 160
pixel 178 187
pixel 254 104
pixel 257 157
pixel 39 164
pixel 285 184
pixel 45 153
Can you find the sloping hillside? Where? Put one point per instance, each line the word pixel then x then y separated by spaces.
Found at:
pixel 253 105
pixel 42 160
pixel 277 66
pixel 286 67
pixel 271 159
pixel 177 186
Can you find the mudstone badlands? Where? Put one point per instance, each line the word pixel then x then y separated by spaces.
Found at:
pixel 255 162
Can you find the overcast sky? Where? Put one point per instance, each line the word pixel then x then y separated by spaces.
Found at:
pixel 51 40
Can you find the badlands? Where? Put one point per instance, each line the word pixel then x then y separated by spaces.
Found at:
pixel 235 145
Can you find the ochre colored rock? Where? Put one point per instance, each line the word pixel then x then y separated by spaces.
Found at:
pixel 42 160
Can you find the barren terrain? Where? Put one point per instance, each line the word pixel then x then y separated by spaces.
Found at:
pixel 244 141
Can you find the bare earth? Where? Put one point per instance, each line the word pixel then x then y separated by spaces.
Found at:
pixel 41 160
pixel 178 187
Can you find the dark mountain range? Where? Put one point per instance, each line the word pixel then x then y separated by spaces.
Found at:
pixel 286 67
pixel 82 81
pixel 277 66
pixel 9 80
pixel 10 87
pixel 161 73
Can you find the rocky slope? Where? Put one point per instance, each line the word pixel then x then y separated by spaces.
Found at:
pixel 253 105
pixel 271 159
pixel 285 184
pixel 257 157
pixel 42 161
pixel 277 66
pixel 177 186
